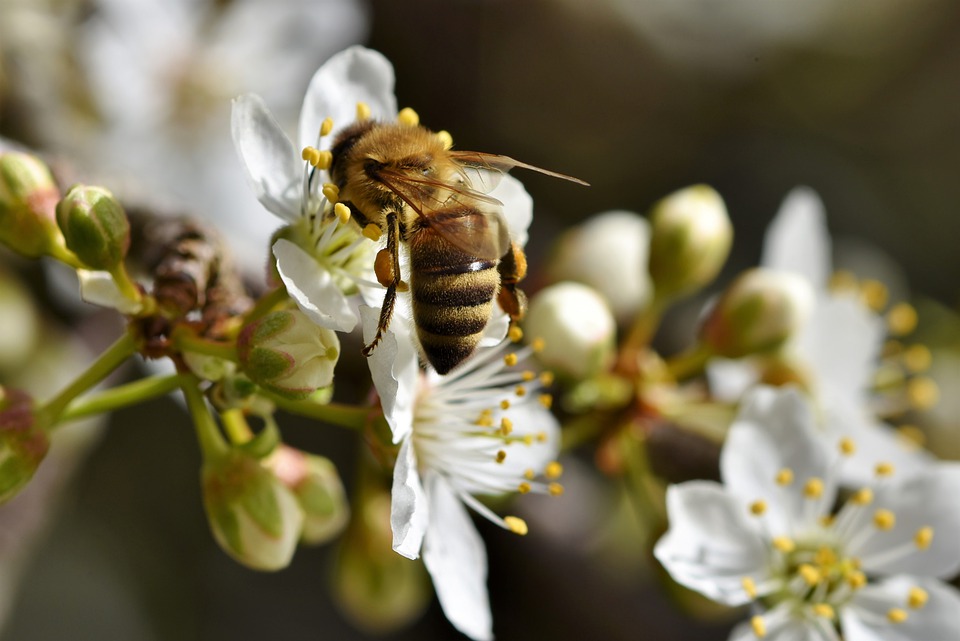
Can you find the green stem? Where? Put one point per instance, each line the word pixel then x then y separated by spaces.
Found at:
pixel 124 347
pixel 184 340
pixel 121 396
pixel 690 362
pixel 212 443
pixel 641 485
pixel 236 426
pixel 125 284
pixel 354 418
pixel 645 326
pixel 65 256
pixel 266 304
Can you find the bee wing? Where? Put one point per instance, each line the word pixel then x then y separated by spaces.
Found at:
pixel 483 169
pixel 426 192
pixel 477 229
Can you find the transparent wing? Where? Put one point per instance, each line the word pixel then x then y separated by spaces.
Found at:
pixel 489 168
pixel 477 229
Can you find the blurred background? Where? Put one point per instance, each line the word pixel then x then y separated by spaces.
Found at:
pixel 859 100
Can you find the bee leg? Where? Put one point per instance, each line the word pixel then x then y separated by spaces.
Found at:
pixel 387 268
pixel 512 268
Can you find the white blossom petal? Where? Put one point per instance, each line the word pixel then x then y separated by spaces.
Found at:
pixel 354 75
pixel 865 618
pixel 99 288
pixel 313 288
pixel 798 241
pixel 711 546
pixel 786 630
pixel 730 379
pixel 457 562
pixel 394 367
pixel 270 160
pixel 774 431
pixel 409 510
pixel 517 208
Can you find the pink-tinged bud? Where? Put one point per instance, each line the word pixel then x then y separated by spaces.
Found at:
pixel 759 311
pixel 23 444
pixel 252 514
pixel 94 226
pixel 28 199
pixel 316 484
pixel 285 352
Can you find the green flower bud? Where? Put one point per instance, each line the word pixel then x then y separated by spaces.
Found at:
pixel 759 311
pixel 317 486
pixel 252 514
pixel 94 226
pixel 28 198
pixel 288 354
pixel 691 239
pixel 577 329
pixel 23 444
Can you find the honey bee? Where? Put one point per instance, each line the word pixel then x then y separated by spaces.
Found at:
pixel 405 181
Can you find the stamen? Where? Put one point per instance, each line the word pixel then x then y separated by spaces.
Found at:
pixel 809 574
pixel 555 489
pixel 824 610
pixel 506 426
pixel 546 400
pixel 363 111
pixel 342 212
pixel 527 439
pixel 541 437
pixel 538 344
pixel 520 390
pixel 924 537
pixel 510 359
pixel 408 117
pixel 874 294
pixel 553 470
pixel 749 586
pixel 529 475
pixel 326 127
pixel 917 358
pixel 784 477
pixel 917 598
pixel 546 378
pixel 896 615
pixel 504 404
pixel 501 456
pixel 884 519
pixel 515 334
pixel 863 496
pixel 758 508
pixel 825 557
pixel 524 488
pixel 527 376
pixel 922 392
pixel 847 446
pixel 311 155
pixel 373 232
pixel 445 138
pixel 884 469
pixel 843 280
pixel 784 544
pixel 813 489
pixel 902 319
pixel 331 192
pixel 516 525
pixel 759 627
pixel 856 579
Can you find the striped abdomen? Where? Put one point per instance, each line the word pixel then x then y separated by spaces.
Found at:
pixel 452 293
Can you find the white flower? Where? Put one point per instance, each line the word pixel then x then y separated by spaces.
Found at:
pixel 837 349
pixel 770 535
pixel 482 429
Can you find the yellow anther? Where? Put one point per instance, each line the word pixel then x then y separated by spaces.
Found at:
pixel 825 557
pixel 520 390
pixel 501 456
pixel 554 470
pixel 546 400
pixel 373 232
pixel 485 420
pixel 538 344
pixel 758 508
pixel 759 627
pixel 363 111
pixel 408 117
pixel 896 615
pixel 504 404
pixel 527 439
pixel 884 519
pixel 342 212
pixel 813 488
pixel 874 294
pixel 331 192
pixel 784 544
pixel 326 127
pixel 323 160
pixel 863 496
pixel 912 435
pixel 528 376
pixel 555 489
pixel 529 475
pixel 902 319
pixel 524 487
pixel 923 392
pixel 445 138
pixel 515 334
pixel 843 280
pixel 826 520
pixel 824 610
pixel 856 579
pixel 510 360
pixel 546 378
pixel 516 525
pixel 917 598
pixel 809 574
pixel 847 446
pixel 506 426
pixel 784 476
pixel 884 468
pixel 917 358
pixel 923 538
pixel 541 437
pixel 310 154
pixel 749 587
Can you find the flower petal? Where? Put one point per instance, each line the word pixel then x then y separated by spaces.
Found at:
pixel 773 431
pixel 926 499
pixel 798 241
pixel 409 510
pixel 865 617
pixel 730 379
pixel 395 369
pixel 457 562
pixel 354 75
pixel 710 546
pixel 517 208
pixel 313 288
pixel 786 629
pixel 99 288
pixel 268 156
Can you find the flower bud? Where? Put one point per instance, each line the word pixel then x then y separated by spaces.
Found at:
pixel 288 354
pixel 28 198
pixel 23 444
pixel 690 242
pixel 577 328
pixel 317 486
pixel 253 516
pixel 94 226
pixel 760 310
pixel 609 253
